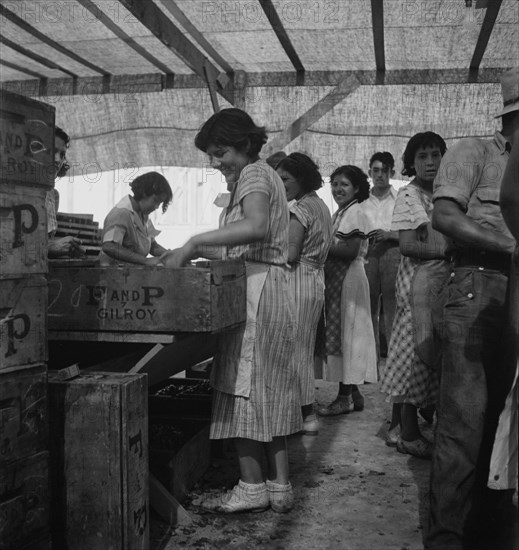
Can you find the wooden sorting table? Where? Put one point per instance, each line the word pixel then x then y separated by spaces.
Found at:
pixel 134 320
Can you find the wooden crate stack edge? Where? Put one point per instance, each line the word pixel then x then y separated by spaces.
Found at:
pixel 26 174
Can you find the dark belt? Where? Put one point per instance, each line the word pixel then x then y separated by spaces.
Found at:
pixel 498 261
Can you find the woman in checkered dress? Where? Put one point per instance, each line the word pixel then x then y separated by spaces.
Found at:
pixel 410 378
pixel 256 399
pixel 310 237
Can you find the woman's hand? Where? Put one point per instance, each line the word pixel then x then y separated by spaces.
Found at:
pixel 180 256
pixel 154 262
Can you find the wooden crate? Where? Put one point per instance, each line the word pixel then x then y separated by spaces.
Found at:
pixel 24 501
pixel 23 231
pixel 26 141
pixel 139 299
pixel 23 413
pixel 99 461
pixel 178 470
pixel 23 336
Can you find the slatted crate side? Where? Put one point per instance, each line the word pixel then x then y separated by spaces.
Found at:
pixel 99 461
pixel 23 322
pixel 24 501
pixel 23 231
pixel 23 413
pixel 137 299
pixel 26 141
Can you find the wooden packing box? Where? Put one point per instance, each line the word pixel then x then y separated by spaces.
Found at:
pixel 140 299
pixel 23 319
pixel 24 501
pixel 179 469
pixel 181 397
pixel 23 231
pixel 99 461
pixel 26 141
pixel 23 413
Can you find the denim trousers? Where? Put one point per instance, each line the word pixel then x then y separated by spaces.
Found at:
pixel 477 369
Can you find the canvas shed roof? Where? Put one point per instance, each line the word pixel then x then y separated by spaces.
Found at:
pixel 133 80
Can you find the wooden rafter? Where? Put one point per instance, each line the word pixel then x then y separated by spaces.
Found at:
pixel 179 15
pixel 127 39
pixel 35 57
pixel 22 24
pixel 281 33
pixel 154 82
pixel 377 18
pixel 316 112
pixel 484 33
pixel 169 34
pixel 21 69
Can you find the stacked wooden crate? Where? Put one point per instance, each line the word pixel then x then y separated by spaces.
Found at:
pixel 26 168
pixel 81 226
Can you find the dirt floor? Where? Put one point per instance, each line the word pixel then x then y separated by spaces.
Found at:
pixel 352 492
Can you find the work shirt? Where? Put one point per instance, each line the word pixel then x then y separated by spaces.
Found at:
pixel 379 211
pixel 470 174
pixel 124 226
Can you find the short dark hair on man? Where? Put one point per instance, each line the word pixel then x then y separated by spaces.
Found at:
pixel 357 177
pixel 232 127
pixel 419 141
pixel 304 170
pixel 152 183
pixel 65 167
pixel 385 158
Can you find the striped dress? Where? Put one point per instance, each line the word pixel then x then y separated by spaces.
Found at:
pixel 272 407
pixel 307 285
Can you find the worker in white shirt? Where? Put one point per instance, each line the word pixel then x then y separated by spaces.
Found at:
pixel 384 254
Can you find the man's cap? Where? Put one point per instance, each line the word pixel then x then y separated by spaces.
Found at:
pixel 510 91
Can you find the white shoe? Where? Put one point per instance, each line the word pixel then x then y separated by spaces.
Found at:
pixel 244 497
pixel 281 497
pixel 311 425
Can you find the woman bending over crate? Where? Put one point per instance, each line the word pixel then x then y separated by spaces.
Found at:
pixel 256 400
pixel 128 234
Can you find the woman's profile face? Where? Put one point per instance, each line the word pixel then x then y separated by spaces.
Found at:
pixel 292 186
pixel 151 203
pixel 229 161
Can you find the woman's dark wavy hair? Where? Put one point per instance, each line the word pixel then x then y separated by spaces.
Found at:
pixel 152 183
pixel 418 141
pixel 358 178
pixel 65 167
pixel 303 169
pixel 232 127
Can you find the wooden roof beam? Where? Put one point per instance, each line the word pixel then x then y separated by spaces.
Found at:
pixel 170 35
pixel 281 33
pixel 21 69
pixel 346 87
pixel 35 57
pixel 19 22
pixel 484 36
pixel 127 39
pixel 377 18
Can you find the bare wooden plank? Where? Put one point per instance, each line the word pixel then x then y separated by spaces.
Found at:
pixel 170 35
pixel 117 337
pixel 484 33
pixel 20 69
pixel 377 18
pixel 154 82
pixel 166 505
pixel 281 33
pixel 326 104
pixel 34 56
pixel 22 24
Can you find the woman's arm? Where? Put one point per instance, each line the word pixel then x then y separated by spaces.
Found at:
pixel 413 247
pixel 119 252
pixel 296 237
pixel 253 228
pixel 346 250
pixel 156 249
